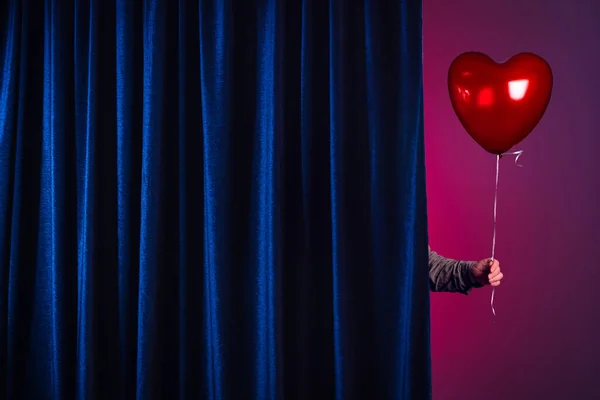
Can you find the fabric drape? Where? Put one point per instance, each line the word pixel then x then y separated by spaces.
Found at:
pixel 215 199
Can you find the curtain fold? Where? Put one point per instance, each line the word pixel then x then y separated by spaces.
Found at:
pixel 214 199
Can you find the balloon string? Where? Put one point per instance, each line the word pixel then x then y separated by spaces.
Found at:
pixel 498 157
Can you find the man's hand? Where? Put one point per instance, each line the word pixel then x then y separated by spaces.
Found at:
pixel 487 272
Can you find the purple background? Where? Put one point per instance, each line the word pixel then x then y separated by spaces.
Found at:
pixel 546 342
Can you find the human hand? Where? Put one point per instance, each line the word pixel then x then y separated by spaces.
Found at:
pixel 487 272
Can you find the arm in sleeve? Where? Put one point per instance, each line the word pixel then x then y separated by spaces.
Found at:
pixel 447 275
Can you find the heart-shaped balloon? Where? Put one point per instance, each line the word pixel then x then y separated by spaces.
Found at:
pixel 499 104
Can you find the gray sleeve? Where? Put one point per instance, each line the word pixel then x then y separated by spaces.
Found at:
pixel 448 275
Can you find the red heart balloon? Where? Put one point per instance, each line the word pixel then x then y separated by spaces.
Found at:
pixel 499 104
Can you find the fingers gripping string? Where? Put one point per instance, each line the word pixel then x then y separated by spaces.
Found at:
pixel 498 157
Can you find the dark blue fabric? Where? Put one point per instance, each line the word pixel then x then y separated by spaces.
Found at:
pixel 212 200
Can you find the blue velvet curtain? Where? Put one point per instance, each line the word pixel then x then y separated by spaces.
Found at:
pixel 214 199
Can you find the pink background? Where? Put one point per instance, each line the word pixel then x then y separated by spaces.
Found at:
pixel 546 342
